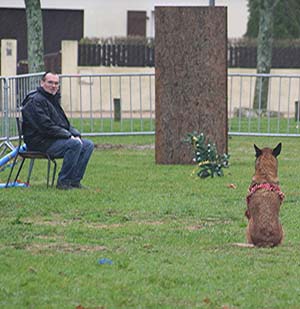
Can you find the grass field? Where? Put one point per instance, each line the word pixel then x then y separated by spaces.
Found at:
pixel 271 125
pixel 236 124
pixel 170 236
pixel 264 125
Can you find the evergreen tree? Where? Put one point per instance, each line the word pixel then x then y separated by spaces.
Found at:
pixel 35 46
pixel 209 162
pixel 286 19
pixel 253 19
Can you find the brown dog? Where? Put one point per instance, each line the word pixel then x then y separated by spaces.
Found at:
pixel 264 200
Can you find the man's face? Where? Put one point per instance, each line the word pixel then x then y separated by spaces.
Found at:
pixel 51 83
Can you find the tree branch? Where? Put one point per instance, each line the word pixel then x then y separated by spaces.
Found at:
pixel 274 4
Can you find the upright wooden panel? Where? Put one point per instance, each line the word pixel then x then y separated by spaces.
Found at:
pixel 190 79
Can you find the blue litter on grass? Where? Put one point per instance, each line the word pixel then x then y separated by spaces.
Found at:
pixel 14 184
pixel 105 261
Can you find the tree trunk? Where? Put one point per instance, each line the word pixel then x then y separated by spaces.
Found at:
pixel 264 53
pixel 35 44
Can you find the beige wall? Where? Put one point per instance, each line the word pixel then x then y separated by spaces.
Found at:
pixel 86 93
pixel 283 91
pixel 96 94
pixel 8 57
pixel 137 92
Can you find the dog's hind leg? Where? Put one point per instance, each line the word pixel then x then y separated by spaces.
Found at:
pixel 248 234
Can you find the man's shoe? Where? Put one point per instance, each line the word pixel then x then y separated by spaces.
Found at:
pixel 63 186
pixel 78 185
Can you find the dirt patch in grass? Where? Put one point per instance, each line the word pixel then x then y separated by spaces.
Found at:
pixel 207 223
pixel 93 225
pixel 151 222
pixel 195 227
pixel 123 146
pixel 66 222
pixel 63 247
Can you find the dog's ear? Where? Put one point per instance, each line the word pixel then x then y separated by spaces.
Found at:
pixel 276 150
pixel 258 152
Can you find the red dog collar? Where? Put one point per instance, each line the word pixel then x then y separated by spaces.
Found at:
pixel 266 186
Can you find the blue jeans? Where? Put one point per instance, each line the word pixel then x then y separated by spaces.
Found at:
pixel 75 156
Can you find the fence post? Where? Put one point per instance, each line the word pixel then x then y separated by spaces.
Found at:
pixel 117 109
pixel 297 110
pixel 5 109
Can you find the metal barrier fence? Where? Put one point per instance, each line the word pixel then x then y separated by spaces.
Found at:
pixel 280 117
pixel 12 92
pixel 124 104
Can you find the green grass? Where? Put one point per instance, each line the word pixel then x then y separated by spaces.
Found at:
pixel 253 125
pixel 109 125
pixel 170 235
pixel 264 125
pixel 236 124
pixel 99 125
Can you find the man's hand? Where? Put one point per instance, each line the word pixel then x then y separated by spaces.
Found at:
pixel 76 137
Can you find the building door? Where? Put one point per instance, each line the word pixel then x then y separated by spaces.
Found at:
pixel 136 23
pixel 58 25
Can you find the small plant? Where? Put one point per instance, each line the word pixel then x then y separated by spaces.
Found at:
pixel 209 162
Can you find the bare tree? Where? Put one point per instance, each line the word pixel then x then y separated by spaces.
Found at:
pixel 264 52
pixel 35 46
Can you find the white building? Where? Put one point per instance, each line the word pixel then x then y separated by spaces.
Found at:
pixel 104 18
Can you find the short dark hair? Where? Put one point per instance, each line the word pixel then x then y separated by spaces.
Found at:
pixel 46 73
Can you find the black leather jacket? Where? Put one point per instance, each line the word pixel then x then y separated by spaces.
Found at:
pixel 44 120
